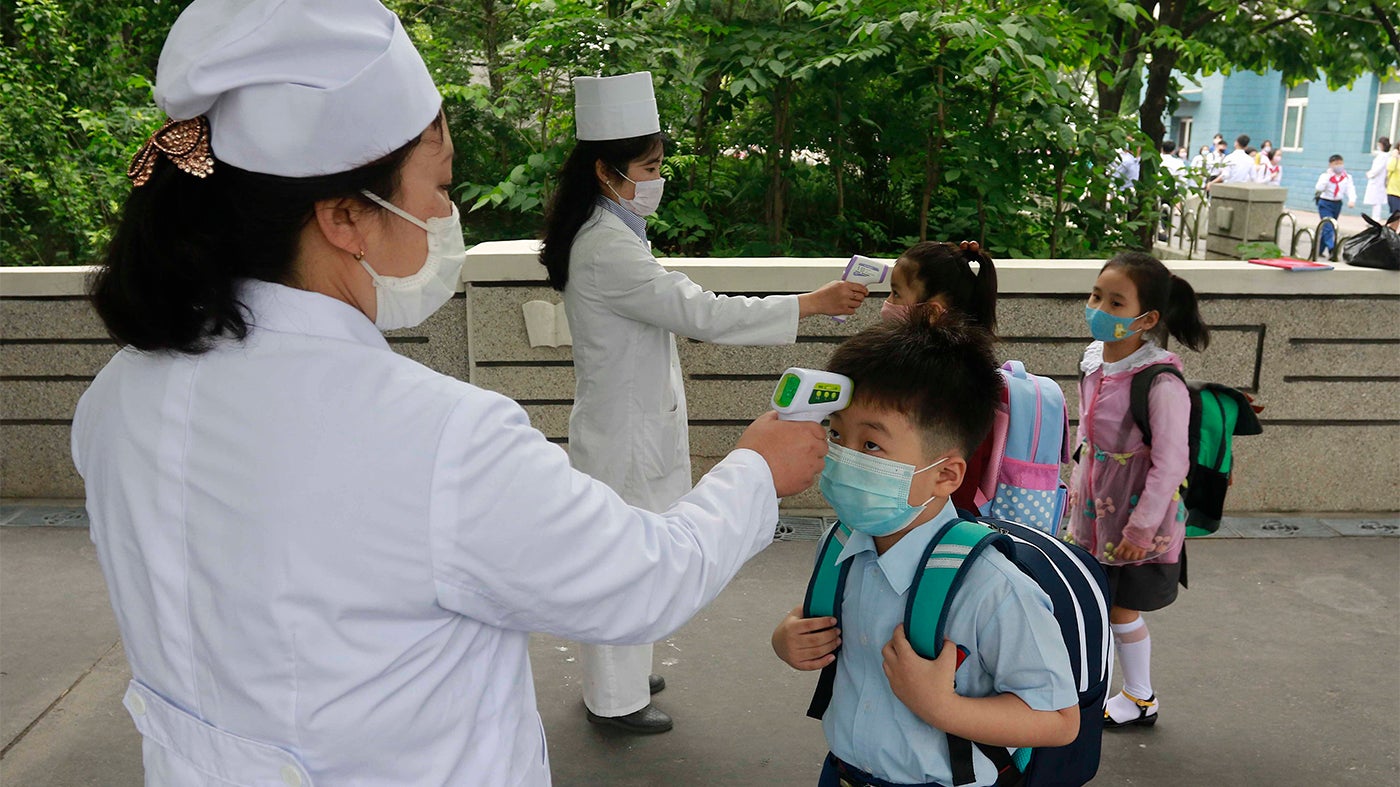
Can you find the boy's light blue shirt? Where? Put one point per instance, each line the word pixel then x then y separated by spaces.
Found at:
pixel 999 615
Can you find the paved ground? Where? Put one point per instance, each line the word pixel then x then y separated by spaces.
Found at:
pixel 1278 667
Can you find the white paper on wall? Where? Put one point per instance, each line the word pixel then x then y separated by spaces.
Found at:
pixel 546 324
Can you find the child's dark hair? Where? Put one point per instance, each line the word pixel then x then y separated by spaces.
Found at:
pixel 945 269
pixel 1334 158
pixel 171 276
pixel 1242 140
pixel 1171 296
pixel 576 193
pixel 1384 142
pixel 935 368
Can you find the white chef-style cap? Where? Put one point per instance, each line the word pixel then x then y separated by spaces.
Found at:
pixel 296 87
pixel 617 107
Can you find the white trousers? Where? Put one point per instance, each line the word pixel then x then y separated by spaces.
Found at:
pixel 616 678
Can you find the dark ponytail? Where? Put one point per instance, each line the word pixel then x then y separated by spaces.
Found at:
pixel 574 196
pixel 945 269
pixel 1171 296
pixel 171 275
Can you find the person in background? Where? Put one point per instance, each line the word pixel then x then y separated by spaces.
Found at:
pixel 629 427
pixel 1332 187
pixel 1173 164
pixel 1256 165
pixel 1236 167
pixel 1273 170
pixel 1266 149
pixel 1375 180
pixel 1392 178
pixel 1126 169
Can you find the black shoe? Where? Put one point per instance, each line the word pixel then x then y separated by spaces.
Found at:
pixel 656 683
pixel 647 721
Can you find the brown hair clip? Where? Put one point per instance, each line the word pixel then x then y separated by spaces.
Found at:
pixel 184 142
pixel 970 245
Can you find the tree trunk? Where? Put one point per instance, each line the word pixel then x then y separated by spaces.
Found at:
pixel 1161 61
pixel 491 46
pixel 777 161
pixel 933 163
pixel 838 159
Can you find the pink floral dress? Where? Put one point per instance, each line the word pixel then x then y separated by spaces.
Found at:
pixel 1120 489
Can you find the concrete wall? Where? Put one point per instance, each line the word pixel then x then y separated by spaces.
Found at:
pixel 1320 351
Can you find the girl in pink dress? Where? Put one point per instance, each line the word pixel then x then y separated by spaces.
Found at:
pixel 1125 501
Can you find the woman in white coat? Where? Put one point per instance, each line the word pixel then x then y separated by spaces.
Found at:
pixel 1375 181
pixel 629 423
pixel 324 558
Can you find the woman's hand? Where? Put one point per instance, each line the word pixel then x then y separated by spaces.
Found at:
pixel 794 450
pixel 806 643
pixel 836 298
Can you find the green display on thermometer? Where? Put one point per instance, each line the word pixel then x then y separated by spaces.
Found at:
pixel 823 393
pixel 787 390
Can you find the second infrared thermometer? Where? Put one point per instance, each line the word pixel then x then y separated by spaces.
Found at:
pixel 863 270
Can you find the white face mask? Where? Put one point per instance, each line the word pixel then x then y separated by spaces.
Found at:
pixel 648 197
pixel 406 301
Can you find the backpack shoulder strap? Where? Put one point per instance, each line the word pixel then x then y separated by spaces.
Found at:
pixel 825 590
pixel 944 566
pixel 1137 397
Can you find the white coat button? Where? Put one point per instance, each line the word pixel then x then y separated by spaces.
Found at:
pixel 290 776
pixel 138 705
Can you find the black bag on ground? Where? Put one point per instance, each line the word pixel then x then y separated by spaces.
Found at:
pixel 1377 246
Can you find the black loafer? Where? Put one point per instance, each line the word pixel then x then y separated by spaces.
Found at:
pixel 647 721
pixel 656 683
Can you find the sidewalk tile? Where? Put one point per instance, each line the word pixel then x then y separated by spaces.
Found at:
pixel 1365 527
pixel 1280 527
pixel 49 516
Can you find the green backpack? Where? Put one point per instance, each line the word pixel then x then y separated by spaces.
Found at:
pixel 1218 414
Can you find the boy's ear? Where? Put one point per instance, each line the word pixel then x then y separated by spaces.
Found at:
pixel 949 476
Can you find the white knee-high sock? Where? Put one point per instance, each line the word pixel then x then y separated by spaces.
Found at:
pixel 1135 656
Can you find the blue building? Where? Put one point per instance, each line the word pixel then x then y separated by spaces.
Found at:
pixel 1309 122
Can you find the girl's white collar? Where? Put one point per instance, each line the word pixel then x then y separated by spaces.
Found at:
pixel 1148 353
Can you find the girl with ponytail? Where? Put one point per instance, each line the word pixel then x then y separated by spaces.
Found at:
pixel 941 274
pixel 1125 504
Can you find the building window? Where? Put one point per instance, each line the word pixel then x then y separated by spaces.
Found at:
pixel 1293 111
pixel 1183 131
pixel 1388 110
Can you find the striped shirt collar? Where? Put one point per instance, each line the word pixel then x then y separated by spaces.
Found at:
pixel 634 222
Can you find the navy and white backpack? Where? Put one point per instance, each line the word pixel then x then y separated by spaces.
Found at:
pixel 1078 591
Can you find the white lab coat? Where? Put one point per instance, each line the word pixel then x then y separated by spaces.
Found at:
pixel 1375 180
pixel 325 559
pixel 629 426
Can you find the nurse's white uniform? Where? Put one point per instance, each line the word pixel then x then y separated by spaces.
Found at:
pixel 629 423
pixel 325 558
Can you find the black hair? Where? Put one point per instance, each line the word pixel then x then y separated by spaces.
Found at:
pixel 1384 142
pixel 170 277
pixel 1242 140
pixel 934 367
pixel 945 269
pixel 1251 151
pixel 1168 146
pixel 578 189
pixel 1270 143
pixel 1335 157
pixel 1171 296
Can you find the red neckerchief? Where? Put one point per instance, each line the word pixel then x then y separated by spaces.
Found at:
pixel 1336 181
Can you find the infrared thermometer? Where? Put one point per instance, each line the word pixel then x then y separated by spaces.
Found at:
pixel 863 270
pixel 811 395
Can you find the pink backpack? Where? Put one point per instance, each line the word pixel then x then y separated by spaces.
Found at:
pixel 1029 441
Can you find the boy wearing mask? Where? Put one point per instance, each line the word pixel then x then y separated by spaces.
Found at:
pixel 1332 186
pixel 925 392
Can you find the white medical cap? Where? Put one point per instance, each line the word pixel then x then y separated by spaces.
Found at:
pixel 617 107
pixel 296 87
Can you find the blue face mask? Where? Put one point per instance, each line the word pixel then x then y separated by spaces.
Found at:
pixel 870 494
pixel 1107 328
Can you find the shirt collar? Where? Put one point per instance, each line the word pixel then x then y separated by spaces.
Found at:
pixel 901 562
pixel 1148 353
pixel 282 309
pixel 634 222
